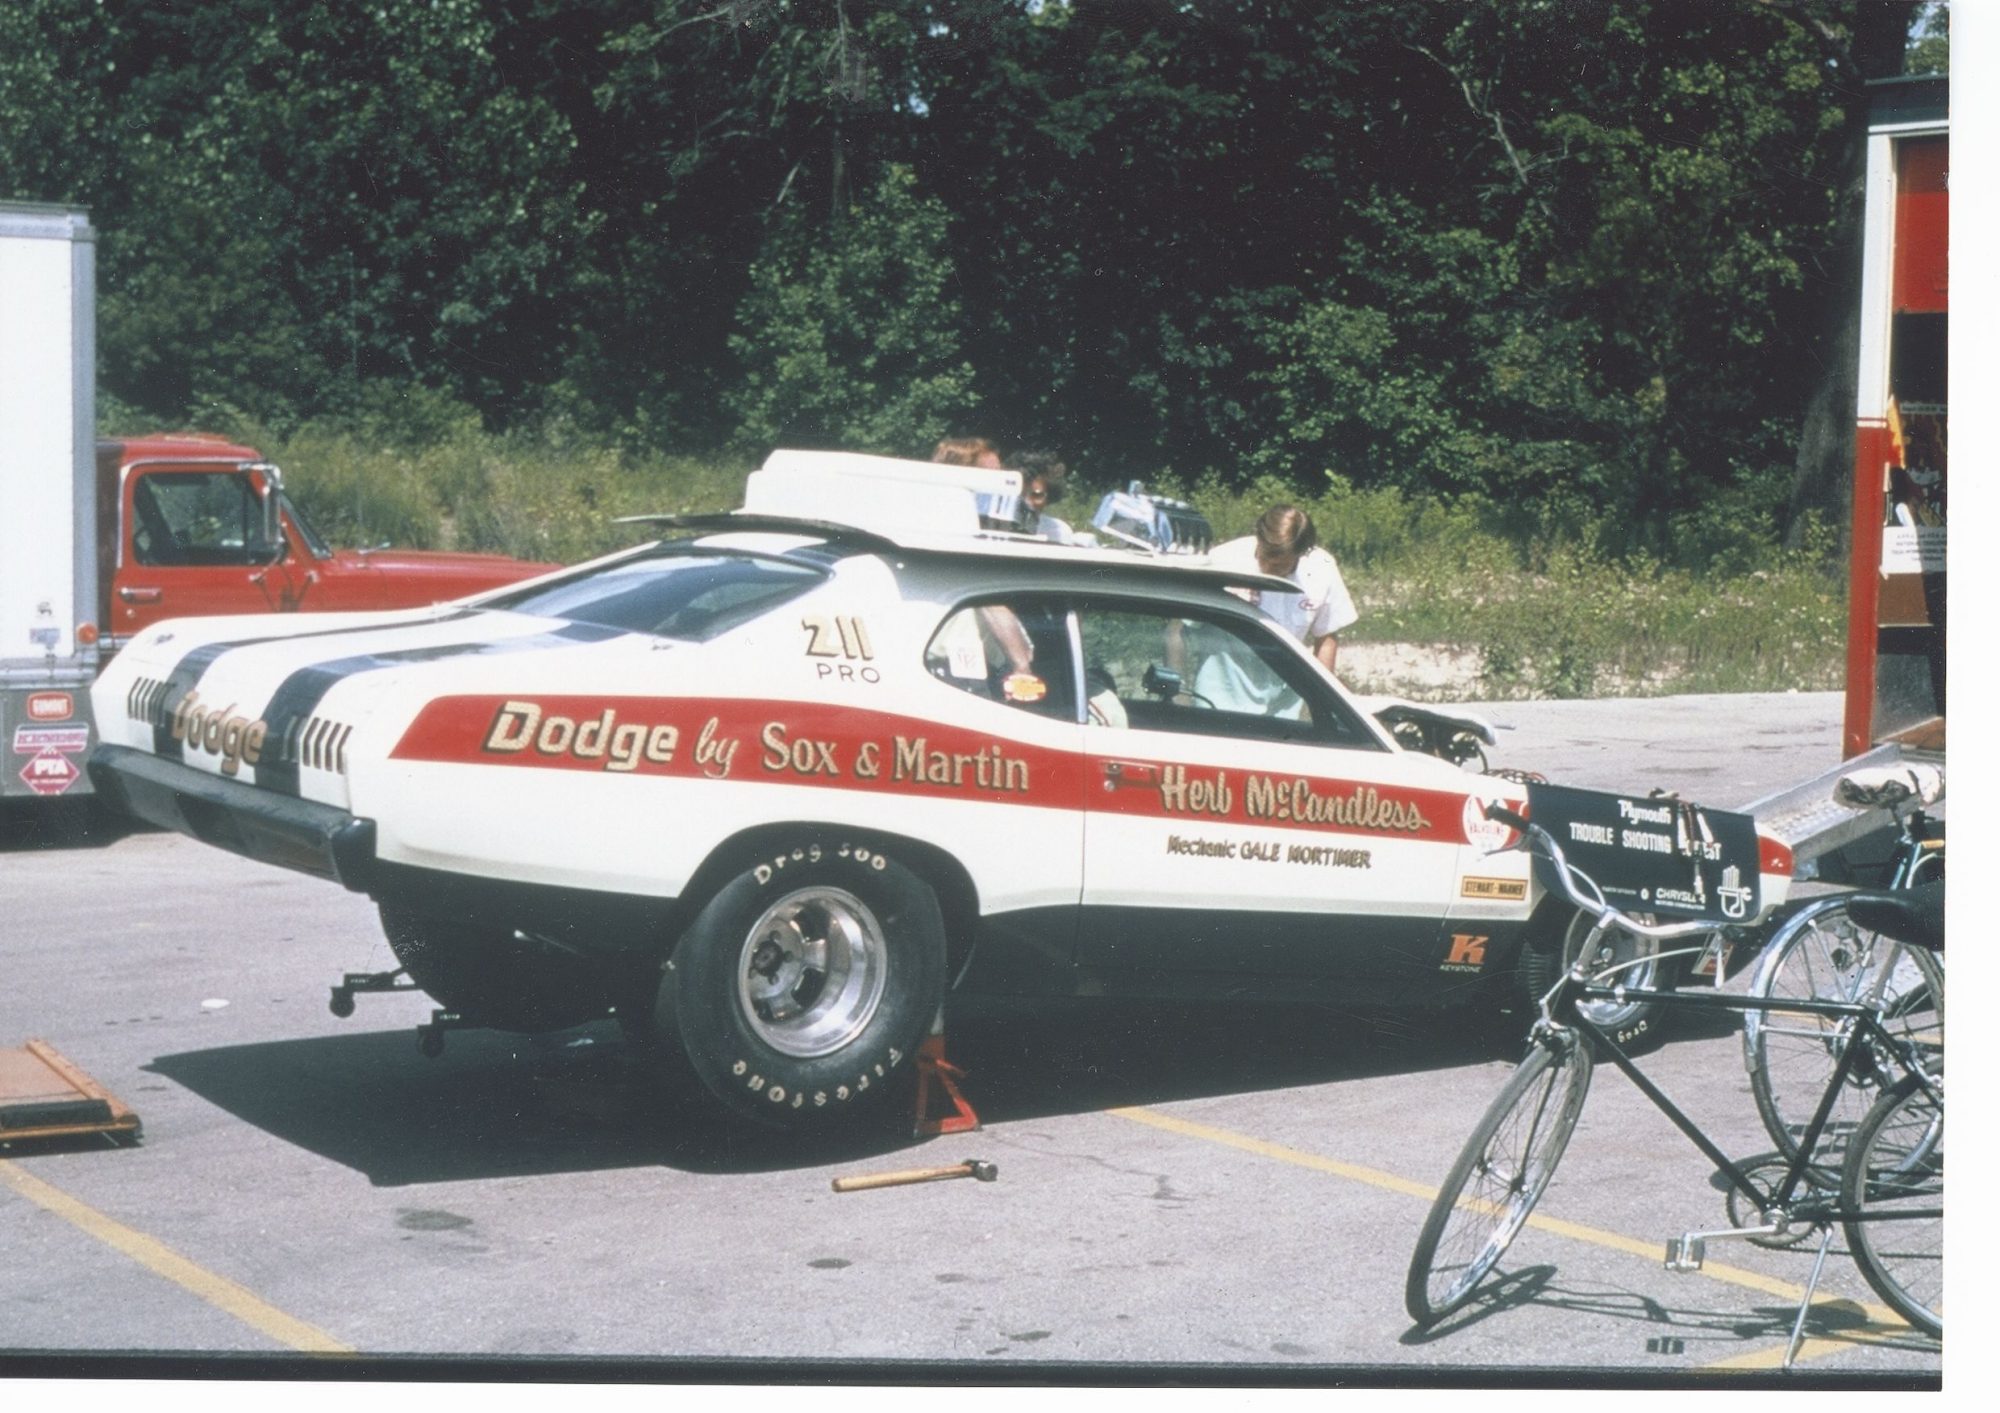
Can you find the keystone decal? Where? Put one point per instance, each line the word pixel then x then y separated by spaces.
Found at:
pixel 1468 953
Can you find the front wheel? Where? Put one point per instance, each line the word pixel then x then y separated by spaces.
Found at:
pixel 1822 954
pixel 1615 958
pixel 803 988
pixel 1499 1176
pixel 1893 1187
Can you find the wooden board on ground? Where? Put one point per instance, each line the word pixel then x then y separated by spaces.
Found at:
pixel 43 1095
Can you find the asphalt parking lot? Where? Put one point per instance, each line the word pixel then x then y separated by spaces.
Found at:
pixel 1212 1194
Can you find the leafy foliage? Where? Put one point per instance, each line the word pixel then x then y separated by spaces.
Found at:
pixel 850 336
pixel 1568 259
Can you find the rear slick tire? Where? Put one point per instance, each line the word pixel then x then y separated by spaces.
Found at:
pixel 1500 1175
pixel 806 983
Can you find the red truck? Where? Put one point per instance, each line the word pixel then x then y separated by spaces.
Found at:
pixel 98 539
pixel 191 524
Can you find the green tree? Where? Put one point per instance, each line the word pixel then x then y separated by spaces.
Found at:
pixel 849 335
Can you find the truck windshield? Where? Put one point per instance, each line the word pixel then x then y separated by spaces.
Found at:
pixel 676 592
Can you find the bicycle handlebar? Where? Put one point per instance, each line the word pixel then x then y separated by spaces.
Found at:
pixel 1581 889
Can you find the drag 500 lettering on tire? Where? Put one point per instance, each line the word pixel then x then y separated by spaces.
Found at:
pixel 804 986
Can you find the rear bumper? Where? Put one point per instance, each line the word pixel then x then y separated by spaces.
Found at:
pixel 274 829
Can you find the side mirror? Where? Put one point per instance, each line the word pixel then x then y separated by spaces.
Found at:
pixel 271 529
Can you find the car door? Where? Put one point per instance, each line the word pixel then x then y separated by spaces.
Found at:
pixel 1240 815
pixel 196 547
pixel 1005 732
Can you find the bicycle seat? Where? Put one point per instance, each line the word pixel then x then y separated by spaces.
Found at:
pixel 1915 915
pixel 1891 785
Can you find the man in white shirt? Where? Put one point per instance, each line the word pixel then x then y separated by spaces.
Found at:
pixel 1286 546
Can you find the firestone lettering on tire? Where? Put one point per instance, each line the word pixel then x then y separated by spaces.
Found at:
pixel 778 1094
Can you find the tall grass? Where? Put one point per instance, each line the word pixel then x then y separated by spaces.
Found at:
pixel 1548 612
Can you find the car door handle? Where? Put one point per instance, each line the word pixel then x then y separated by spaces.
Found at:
pixel 140 595
pixel 1130 775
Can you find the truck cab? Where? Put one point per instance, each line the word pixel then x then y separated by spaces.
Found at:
pixel 195 525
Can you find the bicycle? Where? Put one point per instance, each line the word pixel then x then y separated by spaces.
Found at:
pixel 1890 1202
pixel 1822 952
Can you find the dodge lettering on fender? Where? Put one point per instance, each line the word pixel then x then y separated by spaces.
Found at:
pixel 781 785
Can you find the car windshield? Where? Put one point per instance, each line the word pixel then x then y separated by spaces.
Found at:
pixel 693 595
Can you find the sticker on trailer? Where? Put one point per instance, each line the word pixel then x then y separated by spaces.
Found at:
pixel 50 773
pixel 51 706
pixel 1915 549
pixel 31 740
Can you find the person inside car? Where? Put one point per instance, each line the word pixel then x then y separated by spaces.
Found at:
pixel 997 623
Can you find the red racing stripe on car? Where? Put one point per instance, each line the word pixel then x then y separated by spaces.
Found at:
pixel 791 743
pixel 811 744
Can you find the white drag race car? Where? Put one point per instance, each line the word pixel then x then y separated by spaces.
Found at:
pixel 778 786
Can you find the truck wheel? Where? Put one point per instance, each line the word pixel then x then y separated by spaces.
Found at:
pixel 490 976
pixel 1618 957
pixel 804 986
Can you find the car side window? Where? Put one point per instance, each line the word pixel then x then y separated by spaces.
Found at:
pixel 1157 670
pixel 198 518
pixel 1007 650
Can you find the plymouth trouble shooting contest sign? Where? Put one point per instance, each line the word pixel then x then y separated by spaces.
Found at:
pixel 1654 854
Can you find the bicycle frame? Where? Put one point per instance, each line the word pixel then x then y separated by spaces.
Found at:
pixel 1560 1010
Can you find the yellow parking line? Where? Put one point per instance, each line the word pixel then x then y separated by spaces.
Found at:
pixel 222 1293
pixel 1878 1315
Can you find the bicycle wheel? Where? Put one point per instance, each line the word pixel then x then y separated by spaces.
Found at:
pixel 1894 1187
pixel 1822 954
pixel 1498 1178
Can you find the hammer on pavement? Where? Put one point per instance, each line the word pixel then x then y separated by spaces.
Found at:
pixel 972 1168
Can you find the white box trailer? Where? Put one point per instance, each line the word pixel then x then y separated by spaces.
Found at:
pixel 48 541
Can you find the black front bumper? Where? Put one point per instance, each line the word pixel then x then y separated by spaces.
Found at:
pixel 274 829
